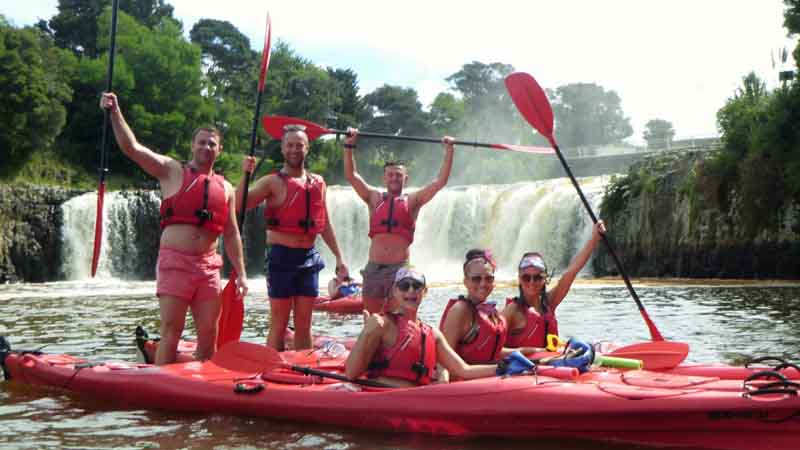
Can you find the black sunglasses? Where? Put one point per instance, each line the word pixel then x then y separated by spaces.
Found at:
pixel 527 278
pixel 406 285
pixel 477 278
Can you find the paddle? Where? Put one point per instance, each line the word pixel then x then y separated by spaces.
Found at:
pixel 101 186
pixel 656 355
pixel 229 326
pixel 255 358
pixel 273 125
pixel 532 103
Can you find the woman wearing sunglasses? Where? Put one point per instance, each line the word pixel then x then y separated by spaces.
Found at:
pixel 398 349
pixel 531 316
pixel 471 324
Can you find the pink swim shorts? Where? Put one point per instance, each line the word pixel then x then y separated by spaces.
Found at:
pixel 187 276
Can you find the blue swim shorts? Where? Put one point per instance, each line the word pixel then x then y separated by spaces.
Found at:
pixel 293 272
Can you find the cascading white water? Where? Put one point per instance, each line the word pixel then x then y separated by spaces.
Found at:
pixel 122 242
pixel 545 216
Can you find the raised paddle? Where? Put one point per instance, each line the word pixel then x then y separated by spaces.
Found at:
pixel 101 186
pixel 274 125
pixel 532 103
pixel 256 358
pixel 229 327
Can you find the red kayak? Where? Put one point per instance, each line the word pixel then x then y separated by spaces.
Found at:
pixel 641 407
pixel 342 305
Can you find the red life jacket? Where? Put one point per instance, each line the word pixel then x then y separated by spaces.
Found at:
pixel 392 215
pixel 413 355
pixel 200 201
pixel 537 326
pixel 487 335
pixel 303 211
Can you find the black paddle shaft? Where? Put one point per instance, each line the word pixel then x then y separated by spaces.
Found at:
pixel 412 138
pixel 594 219
pixel 109 78
pixel 336 376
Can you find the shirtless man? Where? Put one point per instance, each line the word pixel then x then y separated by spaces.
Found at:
pixel 392 218
pixel 295 214
pixel 198 205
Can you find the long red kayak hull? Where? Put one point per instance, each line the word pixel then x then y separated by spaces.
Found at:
pixel 640 407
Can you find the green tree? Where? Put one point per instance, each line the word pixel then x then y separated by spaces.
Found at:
pixel 350 109
pixel 158 79
pixel 447 113
pixel 76 27
pixel 489 113
pixel 226 52
pixel 32 94
pixel 658 133
pixel 586 114
pixel 396 110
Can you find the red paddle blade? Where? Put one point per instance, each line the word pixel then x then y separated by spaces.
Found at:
pixel 657 355
pixel 98 226
pixel 265 56
pixel 231 318
pixel 532 103
pixel 247 357
pixel 274 125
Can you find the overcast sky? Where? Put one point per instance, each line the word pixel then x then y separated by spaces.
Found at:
pixel 677 60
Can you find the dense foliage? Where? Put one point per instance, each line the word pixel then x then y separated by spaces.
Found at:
pixel 169 84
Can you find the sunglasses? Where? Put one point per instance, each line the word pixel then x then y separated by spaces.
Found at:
pixel 527 278
pixel 405 286
pixel 477 278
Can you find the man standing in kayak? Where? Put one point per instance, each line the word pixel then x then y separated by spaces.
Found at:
pixel 392 218
pixel 198 205
pixel 295 213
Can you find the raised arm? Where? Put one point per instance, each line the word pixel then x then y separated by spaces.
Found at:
pixel 352 176
pixel 426 194
pixel 154 164
pixel 560 291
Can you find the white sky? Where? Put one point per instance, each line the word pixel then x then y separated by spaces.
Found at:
pixel 676 60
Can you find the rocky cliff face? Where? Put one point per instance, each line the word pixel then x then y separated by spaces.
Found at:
pixel 30 221
pixel 658 229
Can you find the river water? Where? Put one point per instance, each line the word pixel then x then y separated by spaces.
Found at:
pixel 725 322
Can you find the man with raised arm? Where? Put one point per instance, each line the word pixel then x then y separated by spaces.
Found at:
pixel 198 205
pixel 295 213
pixel 392 218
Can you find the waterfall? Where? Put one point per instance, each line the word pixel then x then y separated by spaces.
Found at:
pixel 130 235
pixel 545 216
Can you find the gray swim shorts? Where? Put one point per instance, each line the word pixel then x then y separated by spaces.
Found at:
pixel 378 279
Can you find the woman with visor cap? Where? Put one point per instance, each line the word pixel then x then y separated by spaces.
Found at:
pixel 531 316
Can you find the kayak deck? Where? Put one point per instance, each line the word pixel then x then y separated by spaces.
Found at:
pixel 641 407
